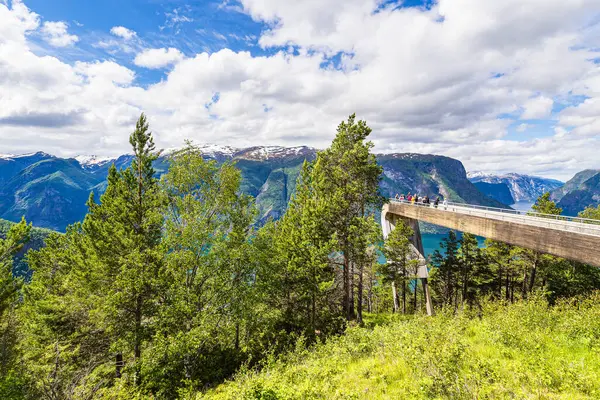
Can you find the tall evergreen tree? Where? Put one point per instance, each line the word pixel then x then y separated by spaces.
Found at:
pixel 346 176
pixel 401 266
pixel 125 231
pixel 16 238
pixel 445 275
pixel 10 368
pixel 304 250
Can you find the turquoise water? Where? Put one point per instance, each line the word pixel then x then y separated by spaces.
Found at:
pixel 431 242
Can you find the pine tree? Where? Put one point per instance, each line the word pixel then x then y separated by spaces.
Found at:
pixel 125 231
pixel 346 176
pixel 16 238
pixel 305 248
pixel 445 275
pixel 401 264
pixel 10 368
pixel 469 257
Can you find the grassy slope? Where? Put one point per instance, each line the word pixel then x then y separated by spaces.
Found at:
pixel 520 351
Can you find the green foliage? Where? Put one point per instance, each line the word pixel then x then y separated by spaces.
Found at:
pixel 523 350
pixel 169 287
pixel 544 205
pixel 16 238
pixel 11 381
pixel 346 178
pixel 402 263
pixel 591 213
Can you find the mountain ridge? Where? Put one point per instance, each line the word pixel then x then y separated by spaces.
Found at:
pixel 522 187
pixel 51 191
pixel 580 192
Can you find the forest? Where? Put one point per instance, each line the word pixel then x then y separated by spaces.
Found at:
pixel 170 289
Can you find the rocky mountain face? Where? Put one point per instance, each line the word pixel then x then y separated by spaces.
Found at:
pixel 521 187
pixel 498 191
pixel 51 192
pixel 582 191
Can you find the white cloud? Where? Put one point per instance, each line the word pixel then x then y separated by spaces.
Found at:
pixel 107 71
pixel 123 32
pixel 57 35
pixel 158 58
pixel 537 108
pixel 431 81
pixel 523 127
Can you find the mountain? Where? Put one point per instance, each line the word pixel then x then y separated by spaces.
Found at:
pixel 582 191
pixel 521 187
pixel 51 192
pixel 498 191
pixel 429 175
pixel 36 240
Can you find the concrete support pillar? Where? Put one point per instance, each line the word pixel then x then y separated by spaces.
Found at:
pixel 388 223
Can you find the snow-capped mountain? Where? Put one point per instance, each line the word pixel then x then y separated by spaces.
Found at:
pixel 521 187
pixel 91 161
pixel 52 191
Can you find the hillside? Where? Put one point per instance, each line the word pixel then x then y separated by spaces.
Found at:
pixel 497 191
pixel 523 350
pixel 521 187
pixel 582 191
pixel 51 192
pixel 36 240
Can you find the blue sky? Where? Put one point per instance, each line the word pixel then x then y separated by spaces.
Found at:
pixel 502 85
pixel 190 26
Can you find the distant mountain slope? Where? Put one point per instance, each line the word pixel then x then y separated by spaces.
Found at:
pixel 582 191
pixel 521 187
pixel 429 175
pixel 498 191
pixel 36 240
pixel 51 192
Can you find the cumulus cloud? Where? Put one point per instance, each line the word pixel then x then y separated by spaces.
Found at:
pixel 57 35
pixel 537 108
pixel 448 80
pixel 123 32
pixel 158 58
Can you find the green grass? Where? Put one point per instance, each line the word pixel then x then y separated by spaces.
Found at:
pixel 520 351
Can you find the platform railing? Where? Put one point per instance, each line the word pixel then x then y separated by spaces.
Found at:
pixel 574 224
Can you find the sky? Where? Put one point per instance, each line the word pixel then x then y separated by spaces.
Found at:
pixel 502 85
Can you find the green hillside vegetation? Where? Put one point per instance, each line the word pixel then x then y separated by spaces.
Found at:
pixel 37 236
pixel 521 350
pixel 579 193
pixel 170 289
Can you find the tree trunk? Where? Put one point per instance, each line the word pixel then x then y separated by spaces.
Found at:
pixel 415 297
pixel 533 273
pixel 351 314
pixel 404 295
pixel 118 364
pixel 313 312
pixel 395 297
pixel 137 348
pixel 359 304
pixel 346 297
pixel 370 296
pixel 524 284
